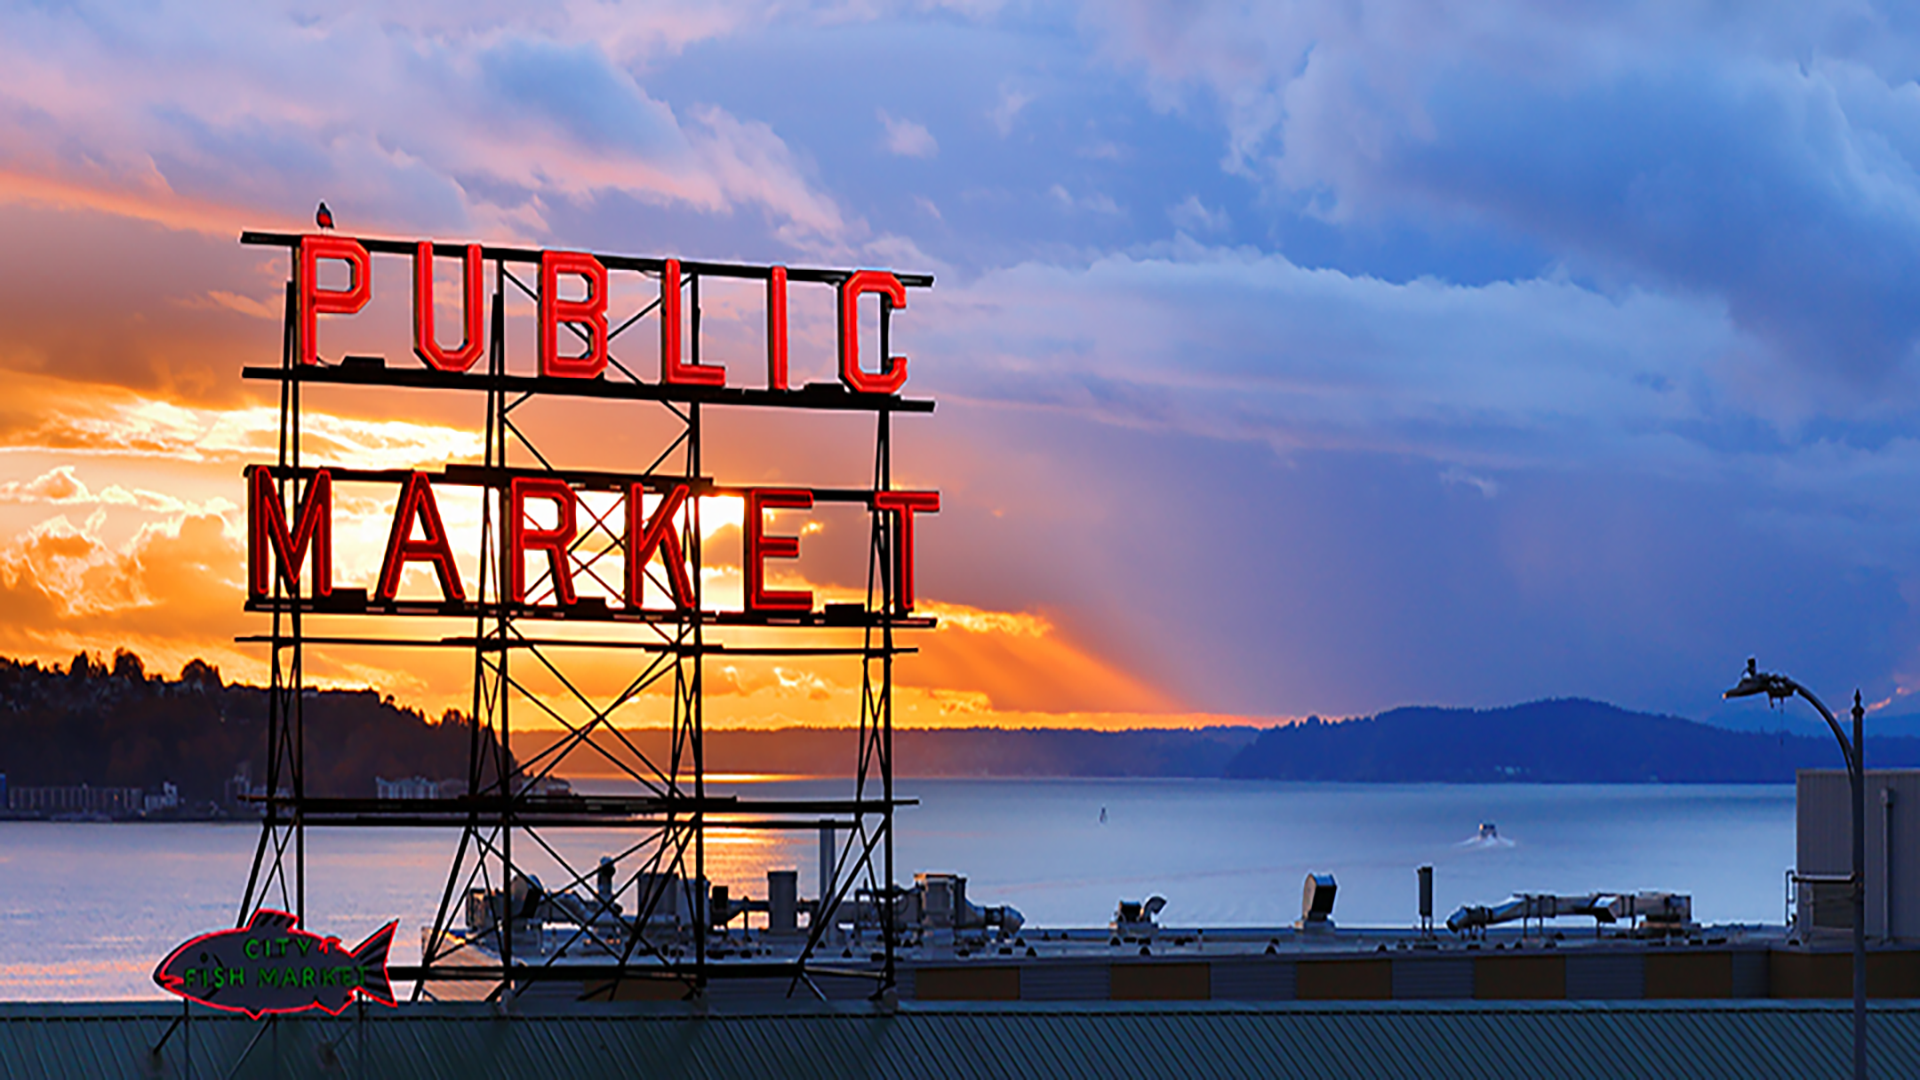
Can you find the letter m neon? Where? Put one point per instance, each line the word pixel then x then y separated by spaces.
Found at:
pixel 268 536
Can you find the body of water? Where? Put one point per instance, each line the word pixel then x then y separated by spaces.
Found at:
pixel 87 910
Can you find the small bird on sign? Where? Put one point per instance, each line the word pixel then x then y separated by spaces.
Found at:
pixel 323 217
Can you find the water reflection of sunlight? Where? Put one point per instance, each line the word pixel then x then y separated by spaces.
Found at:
pixel 740 858
pixel 735 858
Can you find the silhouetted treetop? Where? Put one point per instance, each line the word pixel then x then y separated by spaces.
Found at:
pixel 119 726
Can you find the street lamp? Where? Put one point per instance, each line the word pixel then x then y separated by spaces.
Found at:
pixel 1778 688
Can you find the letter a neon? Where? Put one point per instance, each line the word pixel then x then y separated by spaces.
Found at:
pixel 416 501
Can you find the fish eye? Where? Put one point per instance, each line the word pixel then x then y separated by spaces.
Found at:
pixel 203 958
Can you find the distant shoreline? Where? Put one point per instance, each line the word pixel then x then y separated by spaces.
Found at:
pixel 135 819
pixel 92 742
pixel 1051 779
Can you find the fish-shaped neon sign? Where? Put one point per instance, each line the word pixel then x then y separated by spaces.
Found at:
pixel 270 966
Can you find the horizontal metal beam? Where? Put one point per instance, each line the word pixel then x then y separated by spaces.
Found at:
pixel 531 807
pixel 587 609
pixel 721 968
pixel 875 652
pixel 372 371
pixel 651 264
pixel 540 823
pixel 455 475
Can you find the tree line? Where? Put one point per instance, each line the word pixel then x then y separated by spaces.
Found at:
pixel 113 724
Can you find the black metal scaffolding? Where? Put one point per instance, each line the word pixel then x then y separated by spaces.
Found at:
pixel 510 808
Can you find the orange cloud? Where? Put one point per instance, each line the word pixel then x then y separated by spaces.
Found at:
pixel 169 593
pixel 61 487
pixel 126 197
pixel 48 414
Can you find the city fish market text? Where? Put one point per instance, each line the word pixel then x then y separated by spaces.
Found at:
pixel 271 966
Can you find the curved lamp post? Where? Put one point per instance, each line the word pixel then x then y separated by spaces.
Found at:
pixel 1778 688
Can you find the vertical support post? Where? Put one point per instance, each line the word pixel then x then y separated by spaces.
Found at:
pixel 509 770
pixel 298 761
pixel 889 606
pixel 496 505
pixel 827 848
pixel 696 713
pixel 1859 770
pixel 1426 901
pixel 1886 864
pixel 275 699
pixel 297 745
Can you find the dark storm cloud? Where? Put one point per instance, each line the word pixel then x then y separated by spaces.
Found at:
pixel 1760 156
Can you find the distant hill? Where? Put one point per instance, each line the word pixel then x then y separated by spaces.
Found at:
pixel 118 726
pixel 113 724
pixel 1562 741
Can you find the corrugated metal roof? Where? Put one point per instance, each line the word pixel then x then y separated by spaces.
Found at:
pixel 923 1041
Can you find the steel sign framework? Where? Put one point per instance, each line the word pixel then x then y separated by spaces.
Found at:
pixel 524 628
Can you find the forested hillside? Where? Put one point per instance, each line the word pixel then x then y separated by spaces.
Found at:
pixel 113 724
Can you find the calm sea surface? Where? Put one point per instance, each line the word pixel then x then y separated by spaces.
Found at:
pixel 86 911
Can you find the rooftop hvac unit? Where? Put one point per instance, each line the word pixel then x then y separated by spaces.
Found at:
pixel 1316 902
pixel 1828 900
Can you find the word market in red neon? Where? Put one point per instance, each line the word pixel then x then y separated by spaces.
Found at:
pixel 419 535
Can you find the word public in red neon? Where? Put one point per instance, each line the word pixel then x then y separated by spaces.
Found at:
pixel 566 323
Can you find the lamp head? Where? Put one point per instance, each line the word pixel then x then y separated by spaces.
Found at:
pixel 1755 681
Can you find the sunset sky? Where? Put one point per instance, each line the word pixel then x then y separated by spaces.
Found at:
pixel 1290 358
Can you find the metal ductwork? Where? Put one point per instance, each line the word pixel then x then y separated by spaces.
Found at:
pixel 1660 911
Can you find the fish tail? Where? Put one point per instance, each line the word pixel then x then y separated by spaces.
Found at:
pixel 371 955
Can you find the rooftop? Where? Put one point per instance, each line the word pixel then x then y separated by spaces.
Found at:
pixel 470 1042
